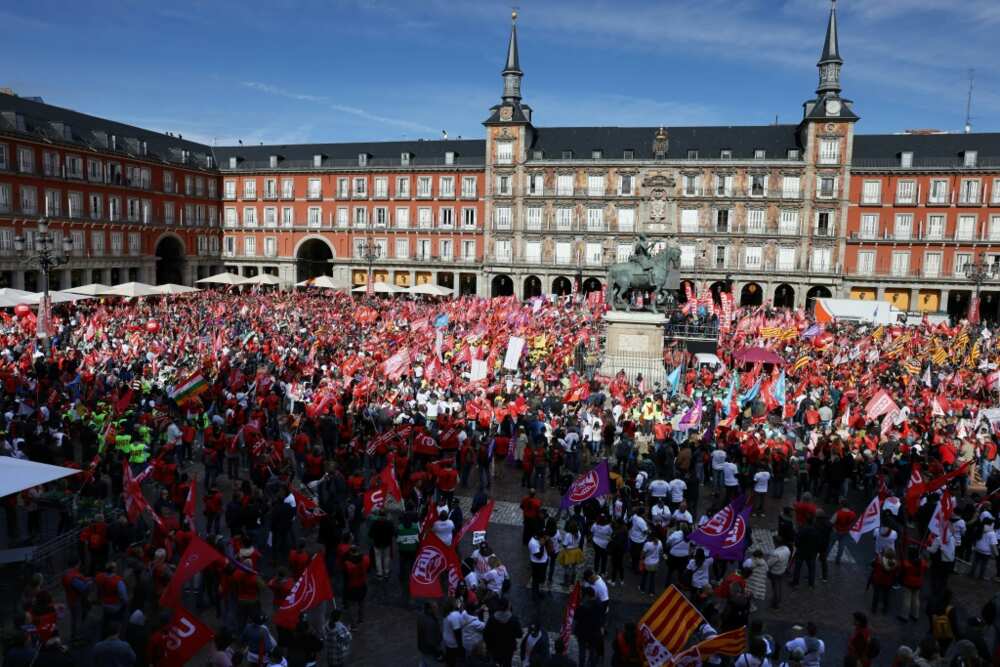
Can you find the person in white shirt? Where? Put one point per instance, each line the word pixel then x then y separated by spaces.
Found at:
pixel 699 567
pixel 444 528
pixel 811 647
pixel 885 538
pixel 678 552
pixel 659 488
pixel 760 482
pixel 637 532
pixel 677 488
pixel 682 515
pixel 596 582
pixel 984 549
pixel 659 515
pixel 600 536
pixel 730 480
pixel 718 458
pixel 539 556
pixel 640 481
pixel 652 550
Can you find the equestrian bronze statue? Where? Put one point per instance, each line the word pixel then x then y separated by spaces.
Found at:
pixel 656 274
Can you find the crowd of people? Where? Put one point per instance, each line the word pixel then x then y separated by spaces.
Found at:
pixel 265 423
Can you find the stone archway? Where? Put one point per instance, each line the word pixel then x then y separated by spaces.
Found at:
pixel 169 260
pixel 717 288
pixel 312 259
pixel 958 303
pixel 532 287
pixel 784 296
pixel 817 292
pixel 501 285
pixel 682 292
pixel 562 286
pixel 591 285
pixel 751 295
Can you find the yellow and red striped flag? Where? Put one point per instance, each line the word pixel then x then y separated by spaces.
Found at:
pixel 800 364
pixel 671 619
pixel 939 356
pixel 878 333
pixel 732 643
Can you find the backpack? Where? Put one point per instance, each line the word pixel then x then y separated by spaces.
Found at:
pixel 941 626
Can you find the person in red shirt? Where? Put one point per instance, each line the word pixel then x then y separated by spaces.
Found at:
pixel 912 571
pixel 804 509
pixel 77 588
pixel 95 541
pixel 213 510
pixel 531 510
pixel 314 465
pixel 298 559
pixel 247 584
pixel 843 519
pixel 280 585
pixel 447 480
pixel 527 467
pixel 859 645
pixel 356 568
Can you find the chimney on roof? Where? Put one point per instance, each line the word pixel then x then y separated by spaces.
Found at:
pixel 444 134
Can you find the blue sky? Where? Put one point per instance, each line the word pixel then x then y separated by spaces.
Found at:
pixel 288 71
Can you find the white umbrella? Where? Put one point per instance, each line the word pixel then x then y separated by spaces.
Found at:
pixel 264 279
pixel 10 302
pixel 381 287
pixel 432 290
pixel 173 288
pixel 93 289
pixel 11 293
pixel 321 281
pixel 133 289
pixel 224 278
pixel 19 474
pixel 56 296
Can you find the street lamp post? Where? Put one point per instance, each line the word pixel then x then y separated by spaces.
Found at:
pixel 370 251
pixel 47 256
pixel 979 272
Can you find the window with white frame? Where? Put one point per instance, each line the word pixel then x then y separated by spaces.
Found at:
pixel 689 220
pixel 969 192
pixel 900 263
pixel 95 172
pixel 752 256
pixel 692 185
pixel 504 184
pixel 502 250
pixel 995 228
pixel 6 204
pixel 626 220
pixel 135 243
pixel 249 216
pixel 424 186
pixel 595 185
pixel 758 185
pixel 229 246
pixel 117 243
pixel 786 259
pixel 755 220
pixel 29 199
pixel 97 243
pixel 315 189
pixel 78 237
pixel 932 264
pixel 869 226
pixel 906 192
pixel 270 188
pixel 502 217
pixel 564 252
pixel 287 216
pixel 824 223
pixel 188 218
pixel 866 262
pixel 722 218
pixel 230 214
pixel 287 188
pixel 595 219
pixel 469 218
pixel 250 246
pixel 402 217
pixel 938 193
pixel 402 248
pixel 270 246
pixel 829 151
pixel 788 223
pixel 821 260
pixel 966 228
pixel 871 192
pixel 132 209
pixel 74 205
pixel 168 214
pixel 446 249
pixel 403 187
pixel 53 203
pixel 229 190
pixel 969 158
pixel 360 186
pixel 468 250
pixel 342 216
pixel 995 192
pixel 199 184
pixel 360 216
pixel 535 185
pixel 250 194
pixel 213 245
pixel 381 187
pixel 202 245
pixel 826 186
pixel 533 252
pixel 533 218
pixel 270 216
pixel 25 159
pixel 505 152
pixel 564 219
pixel 469 187
pixel 4 160
pixel 594 253
pixel 381 218
pixel 935 228
pixel 564 185
pixel 425 218
pixel 249 187
pixel 623 251
pixel 962 259
pixel 791 187
pixel 903 228
pixel 74 166
pixel 724 185
pixel 446 186
pixel 687 255
pixel 343 186
pixel 212 187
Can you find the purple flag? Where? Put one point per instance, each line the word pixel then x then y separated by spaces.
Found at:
pixel 813 331
pixel 725 536
pixel 691 418
pixel 591 484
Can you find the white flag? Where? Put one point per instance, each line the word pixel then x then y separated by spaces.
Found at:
pixel 869 521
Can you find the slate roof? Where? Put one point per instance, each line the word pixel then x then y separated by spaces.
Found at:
pixel 777 140
pixel 33 118
pixel 468 152
pixel 929 150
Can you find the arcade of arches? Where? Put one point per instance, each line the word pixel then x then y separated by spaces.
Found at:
pixel 313 260
pixel 169 261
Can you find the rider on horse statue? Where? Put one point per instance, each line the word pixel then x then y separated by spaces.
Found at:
pixel 643 256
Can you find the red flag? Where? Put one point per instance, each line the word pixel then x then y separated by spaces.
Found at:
pixel 434 558
pixel 198 555
pixel 312 588
pixel 185 637
pixel 308 510
pixel 189 502
pixel 375 497
pixel 477 522
pixel 122 404
pixel 571 604
pixel 917 491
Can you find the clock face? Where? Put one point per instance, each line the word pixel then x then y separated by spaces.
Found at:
pixel 833 108
pixel 506 113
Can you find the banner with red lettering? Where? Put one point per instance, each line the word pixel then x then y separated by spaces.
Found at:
pixel 917 491
pixel 478 522
pixel 198 555
pixel 186 635
pixel 396 364
pixel 869 521
pixel 312 589
pixel 376 497
pixel 880 404
pixel 434 558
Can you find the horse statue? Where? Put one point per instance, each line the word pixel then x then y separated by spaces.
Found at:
pixel 657 273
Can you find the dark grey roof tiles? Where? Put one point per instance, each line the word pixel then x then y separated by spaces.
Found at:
pixel 468 152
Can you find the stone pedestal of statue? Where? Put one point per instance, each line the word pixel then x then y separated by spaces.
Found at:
pixel 635 345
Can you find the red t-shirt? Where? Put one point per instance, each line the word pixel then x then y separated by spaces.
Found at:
pixel 804 510
pixel 843 519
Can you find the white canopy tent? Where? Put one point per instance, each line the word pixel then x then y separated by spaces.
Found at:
pixel 93 289
pixel 263 279
pixel 173 288
pixel 224 278
pixel 327 282
pixel 57 296
pixel 380 287
pixel 132 290
pixel 432 290
pixel 16 475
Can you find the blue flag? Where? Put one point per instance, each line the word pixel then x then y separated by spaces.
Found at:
pixel 778 389
pixel 752 393
pixel 674 381
pixel 441 320
pixel 734 382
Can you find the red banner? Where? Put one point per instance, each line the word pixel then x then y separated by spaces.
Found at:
pixel 312 588
pixel 434 558
pixel 198 555
pixel 189 503
pixel 478 522
pixel 185 637
pixel 569 613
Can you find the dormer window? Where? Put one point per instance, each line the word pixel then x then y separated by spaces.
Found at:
pixel 692 153
pixel 567 155
pixel 537 155
pixel 596 154
pixel 906 159
pixel 404 159
pixel 793 153
pixel 969 158
pixel 759 154
pixel 628 154
pixel 232 162
pixel 184 155
pixel 209 163
pixel 114 142
pixel 143 148
pixel 449 157
pixel 725 154
pixel 362 159
pixel 272 161
pixel 317 160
